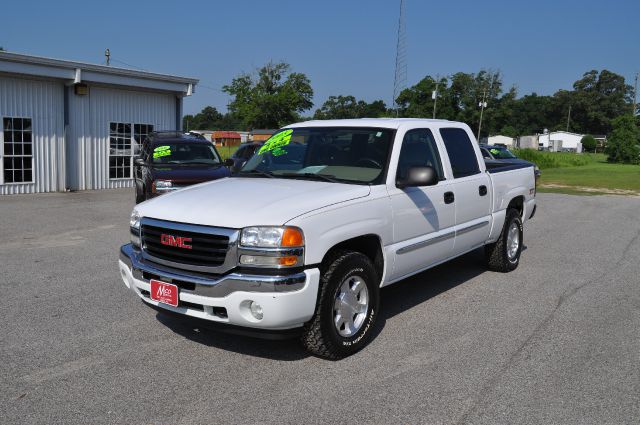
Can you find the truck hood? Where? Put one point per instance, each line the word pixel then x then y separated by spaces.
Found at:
pixel 243 201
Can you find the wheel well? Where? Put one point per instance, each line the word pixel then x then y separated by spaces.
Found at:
pixel 517 204
pixel 368 245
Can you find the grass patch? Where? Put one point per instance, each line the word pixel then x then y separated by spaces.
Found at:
pixel 596 175
pixel 226 151
pixel 582 174
pixel 545 160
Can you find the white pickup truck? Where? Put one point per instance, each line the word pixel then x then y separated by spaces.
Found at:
pixel 322 216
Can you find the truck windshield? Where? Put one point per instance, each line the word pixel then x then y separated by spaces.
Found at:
pixel 184 153
pixel 346 155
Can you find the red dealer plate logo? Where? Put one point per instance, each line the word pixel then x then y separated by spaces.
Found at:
pixel 164 292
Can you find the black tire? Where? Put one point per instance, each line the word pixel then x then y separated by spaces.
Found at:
pixel 320 336
pixel 498 258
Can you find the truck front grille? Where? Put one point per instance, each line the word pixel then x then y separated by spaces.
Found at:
pixel 184 245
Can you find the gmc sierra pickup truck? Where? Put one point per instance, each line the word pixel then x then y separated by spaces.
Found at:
pixel 318 220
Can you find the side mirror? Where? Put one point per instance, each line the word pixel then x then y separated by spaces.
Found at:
pixel 229 162
pixel 418 176
pixel 139 162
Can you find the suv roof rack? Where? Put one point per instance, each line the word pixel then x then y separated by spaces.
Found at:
pixel 172 134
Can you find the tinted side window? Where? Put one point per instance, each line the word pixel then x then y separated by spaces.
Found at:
pixel 460 151
pixel 419 149
pixel 248 152
pixel 239 153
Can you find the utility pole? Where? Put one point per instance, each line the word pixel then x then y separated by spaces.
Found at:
pixel 635 95
pixel 568 118
pixel 434 96
pixel 482 105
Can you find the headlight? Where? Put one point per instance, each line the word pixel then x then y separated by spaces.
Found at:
pixel 161 186
pixel 270 246
pixel 272 237
pixel 134 227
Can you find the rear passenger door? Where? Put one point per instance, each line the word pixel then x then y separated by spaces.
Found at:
pixel 423 218
pixel 471 190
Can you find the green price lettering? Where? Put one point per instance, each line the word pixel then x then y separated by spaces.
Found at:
pixel 275 143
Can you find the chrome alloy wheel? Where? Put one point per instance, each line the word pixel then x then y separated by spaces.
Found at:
pixel 350 306
pixel 513 241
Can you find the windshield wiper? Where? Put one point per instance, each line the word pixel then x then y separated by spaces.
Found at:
pixel 256 172
pixel 312 176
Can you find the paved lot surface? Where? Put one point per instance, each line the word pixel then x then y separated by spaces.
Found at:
pixel 556 341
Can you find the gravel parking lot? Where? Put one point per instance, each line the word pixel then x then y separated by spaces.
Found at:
pixel 556 341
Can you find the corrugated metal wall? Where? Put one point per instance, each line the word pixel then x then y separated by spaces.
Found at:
pixel 43 102
pixel 89 129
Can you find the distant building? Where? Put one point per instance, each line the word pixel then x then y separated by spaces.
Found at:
pixel 76 126
pixel 554 141
pixel 601 142
pixel 260 135
pixel 558 141
pixel 528 142
pixel 226 138
pixel 499 140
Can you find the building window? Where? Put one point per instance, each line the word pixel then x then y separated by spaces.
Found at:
pixel 17 162
pixel 119 151
pixel 122 147
pixel 140 132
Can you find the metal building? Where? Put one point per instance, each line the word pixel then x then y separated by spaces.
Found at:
pixel 75 126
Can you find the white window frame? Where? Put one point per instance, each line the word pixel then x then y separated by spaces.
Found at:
pixel 132 154
pixel 2 155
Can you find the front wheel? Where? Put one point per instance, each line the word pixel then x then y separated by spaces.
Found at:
pixel 504 255
pixel 348 302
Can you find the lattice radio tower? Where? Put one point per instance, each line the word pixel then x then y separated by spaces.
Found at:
pixel 400 80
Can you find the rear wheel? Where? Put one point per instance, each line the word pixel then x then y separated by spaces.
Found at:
pixel 504 255
pixel 347 307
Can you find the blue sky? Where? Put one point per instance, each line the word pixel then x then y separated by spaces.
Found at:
pixel 344 47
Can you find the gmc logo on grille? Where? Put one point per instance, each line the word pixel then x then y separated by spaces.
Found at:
pixel 177 241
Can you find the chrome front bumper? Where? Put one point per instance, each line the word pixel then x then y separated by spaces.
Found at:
pixel 288 301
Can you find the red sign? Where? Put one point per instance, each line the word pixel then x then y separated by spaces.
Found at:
pixel 178 241
pixel 165 293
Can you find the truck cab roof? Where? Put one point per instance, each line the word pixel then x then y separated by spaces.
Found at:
pixel 394 123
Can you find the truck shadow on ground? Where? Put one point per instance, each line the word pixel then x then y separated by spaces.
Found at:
pixel 395 299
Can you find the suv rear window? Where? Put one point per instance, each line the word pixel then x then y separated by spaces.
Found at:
pixel 460 151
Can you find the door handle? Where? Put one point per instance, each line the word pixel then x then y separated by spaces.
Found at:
pixel 449 198
pixel 482 190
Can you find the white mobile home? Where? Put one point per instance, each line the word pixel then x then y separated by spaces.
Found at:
pixel 561 140
pixel 75 126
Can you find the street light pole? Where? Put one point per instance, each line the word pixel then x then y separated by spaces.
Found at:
pixel 434 96
pixel 482 105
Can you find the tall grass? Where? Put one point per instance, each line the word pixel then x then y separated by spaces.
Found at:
pixel 545 159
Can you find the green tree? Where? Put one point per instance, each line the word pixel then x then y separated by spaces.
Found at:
pixel 339 107
pixel 623 143
pixel 273 98
pixel 588 143
pixel 458 98
pixel 597 98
